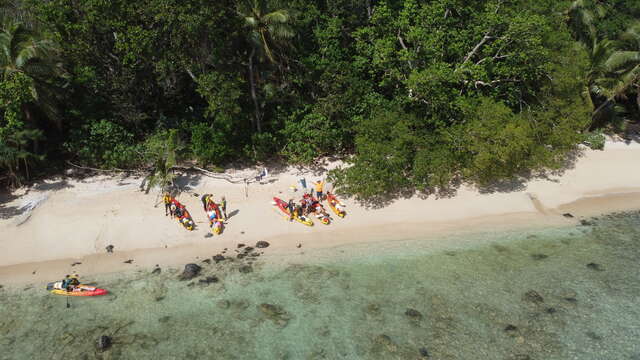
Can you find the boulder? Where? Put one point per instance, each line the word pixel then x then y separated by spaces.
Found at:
pixel 109 248
pixel 510 327
pixel 104 343
pixel 207 261
pixel 223 304
pixel 190 271
pixel 551 310
pixel 567 215
pixel 209 280
pixel 156 271
pixel 533 296
pixel 217 258
pixel 413 314
pixel 386 342
pixel 275 313
pixel 539 256
pixel 240 246
pixel 262 244
pixel 248 249
pixel 595 266
pixel 240 256
pixel 245 269
pixel 424 352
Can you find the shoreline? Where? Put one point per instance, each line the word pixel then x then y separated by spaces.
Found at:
pixel 73 221
pixel 283 248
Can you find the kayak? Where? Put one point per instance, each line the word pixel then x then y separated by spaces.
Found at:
pixel 80 290
pixel 185 220
pixel 215 219
pixel 321 214
pixel 336 205
pixel 283 206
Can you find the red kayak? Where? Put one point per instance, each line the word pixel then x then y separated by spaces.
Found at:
pixel 80 290
pixel 283 206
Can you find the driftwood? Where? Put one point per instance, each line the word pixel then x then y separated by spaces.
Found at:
pixel 94 169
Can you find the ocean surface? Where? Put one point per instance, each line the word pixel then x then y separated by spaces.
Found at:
pixel 561 293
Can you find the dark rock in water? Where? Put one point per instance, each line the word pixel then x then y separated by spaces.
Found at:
pixel 164 319
pixel 585 223
pixel 218 258
pixel 551 310
pixel 248 249
pixel 567 215
pixel 109 248
pixel 275 313
pixel 190 271
pixel 373 309
pixel 571 299
pixel 386 342
pixel 510 327
pixel 299 246
pixel 128 261
pixel 76 263
pixel 223 304
pixel 533 296
pixel 156 271
pixel 240 246
pixel 225 249
pixel 262 244
pixel 594 266
pixel 539 256
pixel 424 352
pixel 521 357
pixel 209 280
pixel 245 269
pixel 255 255
pixel 413 314
pixel 207 261
pixel 593 336
pixel 104 343
pixel 240 256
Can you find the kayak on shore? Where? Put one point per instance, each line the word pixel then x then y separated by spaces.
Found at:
pixel 282 205
pixel 335 205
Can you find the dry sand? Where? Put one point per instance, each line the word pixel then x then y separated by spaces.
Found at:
pixel 73 221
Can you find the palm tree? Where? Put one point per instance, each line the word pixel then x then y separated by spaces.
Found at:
pixel 601 81
pixel 625 63
pixel 24 53
pixel 266 31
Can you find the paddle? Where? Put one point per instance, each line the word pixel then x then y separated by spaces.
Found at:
pixel 68 305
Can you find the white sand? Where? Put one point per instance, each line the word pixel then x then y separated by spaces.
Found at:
pixel 75 222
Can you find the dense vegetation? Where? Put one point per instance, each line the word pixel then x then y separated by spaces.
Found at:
pixel 414 94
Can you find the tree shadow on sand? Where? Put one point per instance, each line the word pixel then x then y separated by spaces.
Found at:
pixel 7 212
pixel 516 183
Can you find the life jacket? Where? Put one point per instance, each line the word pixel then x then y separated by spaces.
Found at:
pixel 167 199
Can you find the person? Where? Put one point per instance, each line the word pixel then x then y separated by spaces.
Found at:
pixel 223 207
pixel 177 212
pixel 319 185
pixel 70 282
pixel 291 207
pixel 205 200
pixel 304 210
pixel 167 204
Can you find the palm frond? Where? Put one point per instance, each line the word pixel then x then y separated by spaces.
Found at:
pixel 622 60
pixel 276 17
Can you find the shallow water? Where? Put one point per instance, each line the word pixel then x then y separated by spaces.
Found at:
pixel 520 295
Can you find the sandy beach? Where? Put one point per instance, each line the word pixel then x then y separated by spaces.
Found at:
pixel 72 221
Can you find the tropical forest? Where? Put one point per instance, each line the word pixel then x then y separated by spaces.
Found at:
pixel 411 95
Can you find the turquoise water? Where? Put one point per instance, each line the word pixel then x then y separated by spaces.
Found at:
pixel 525 295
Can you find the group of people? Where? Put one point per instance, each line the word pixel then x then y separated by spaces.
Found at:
pixel 174 208
pixel 309 204
pixel 217 213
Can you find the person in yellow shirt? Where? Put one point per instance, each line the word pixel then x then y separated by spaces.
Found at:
pixel 319 187
pixel 167 204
